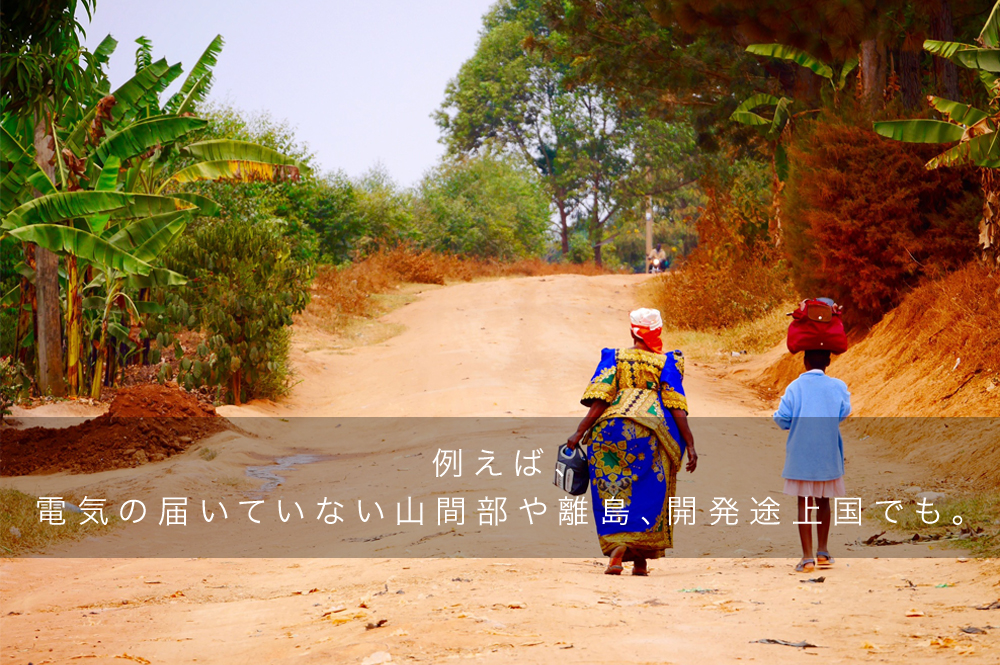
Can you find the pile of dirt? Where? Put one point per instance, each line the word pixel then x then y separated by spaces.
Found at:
pixel 146 423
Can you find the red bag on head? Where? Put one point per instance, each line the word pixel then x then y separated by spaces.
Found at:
pixel 816 326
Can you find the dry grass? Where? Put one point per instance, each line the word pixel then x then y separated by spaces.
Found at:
pixel 703 295
pixel 341 295
pixel 979 529
pixel 21 532
pixel 746 338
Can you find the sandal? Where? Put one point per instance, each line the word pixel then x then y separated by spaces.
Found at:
pixel 639 567
pixel 824 560
pixel 615 564
pixel 806 566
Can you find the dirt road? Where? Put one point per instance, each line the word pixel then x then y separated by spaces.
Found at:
pixel 516 347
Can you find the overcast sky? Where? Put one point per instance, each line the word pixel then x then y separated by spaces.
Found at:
pixel 357 79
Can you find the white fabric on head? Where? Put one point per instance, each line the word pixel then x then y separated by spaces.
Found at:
pixel 646 318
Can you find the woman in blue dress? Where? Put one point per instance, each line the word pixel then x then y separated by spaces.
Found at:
pixel 636 434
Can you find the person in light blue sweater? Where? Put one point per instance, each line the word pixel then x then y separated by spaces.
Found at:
pixel 812 409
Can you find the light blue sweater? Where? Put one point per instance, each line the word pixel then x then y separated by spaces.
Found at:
pixel 811 409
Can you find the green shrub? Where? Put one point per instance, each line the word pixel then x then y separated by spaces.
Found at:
pixel 244 287
pixel 14 384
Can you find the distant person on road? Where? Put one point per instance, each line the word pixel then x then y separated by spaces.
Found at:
pixel 636 434
pixel 657 259
pixel 812 409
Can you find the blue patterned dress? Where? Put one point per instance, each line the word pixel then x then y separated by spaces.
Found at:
pixel 634 449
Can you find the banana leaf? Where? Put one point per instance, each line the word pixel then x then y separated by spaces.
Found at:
pixel 987 59
pixel 748 118
pixel 845 71
pixel 945 49
pixel 157 277
pixel 781 164
pixel 198 81
pixel 106 181
pixel 197 94
pixel 982 151
pixel 104 50
pixel 962 114
pixel 64 206
pixel 780 119
pixel 135 234
pixel 990 35
pixel 140 136
pixel 228 149
pixel 920 131
pixel 235 171
pixel 126 96
pixel 797 56
pixel 87 246
pixel 145 205
pixel 12 297
pixel 160 240
pixel 206 206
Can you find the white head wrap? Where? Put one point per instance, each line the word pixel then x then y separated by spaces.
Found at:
pixel 646 318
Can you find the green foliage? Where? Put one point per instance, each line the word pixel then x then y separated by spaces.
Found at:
pixel 14 384
pixel 485 207
pixel 244 286
pixel 43 65
pixel 592 152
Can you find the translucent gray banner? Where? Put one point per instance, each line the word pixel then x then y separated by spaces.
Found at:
pixel 477 487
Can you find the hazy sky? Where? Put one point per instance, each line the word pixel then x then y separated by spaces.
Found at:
pixel 357 79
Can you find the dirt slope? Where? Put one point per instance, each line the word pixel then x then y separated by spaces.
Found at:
pixel 935 356
pixel 521 347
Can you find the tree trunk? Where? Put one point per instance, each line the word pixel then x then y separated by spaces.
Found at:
pixel 909 75
pixel 563 227
pixel 48 331
pixel 97 381
pixel 26 308
pixel 74 326
pixel 945 71
pixel 235 381
pixel 989 226
pixel 873 73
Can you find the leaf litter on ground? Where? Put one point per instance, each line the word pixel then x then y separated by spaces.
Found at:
pixel 801 645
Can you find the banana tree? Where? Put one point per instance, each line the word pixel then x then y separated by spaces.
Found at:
pixel 777 128
pixel 973 130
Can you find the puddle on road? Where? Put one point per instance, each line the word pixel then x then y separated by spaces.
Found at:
pixel 271 473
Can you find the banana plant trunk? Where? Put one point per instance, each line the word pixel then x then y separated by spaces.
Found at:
pixel 26 307
pixel 102 352
pixel 48 331
pixel 74 326
pixel 989 226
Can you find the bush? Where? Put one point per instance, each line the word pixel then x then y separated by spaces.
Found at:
pixel 14 384
pixel 244 288
pixel 864 220
pixel 486 207
pixel 735 275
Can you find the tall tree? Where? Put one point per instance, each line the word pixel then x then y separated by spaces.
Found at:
pixel 591 152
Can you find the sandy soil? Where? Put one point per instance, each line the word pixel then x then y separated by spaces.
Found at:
pixel 515 347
